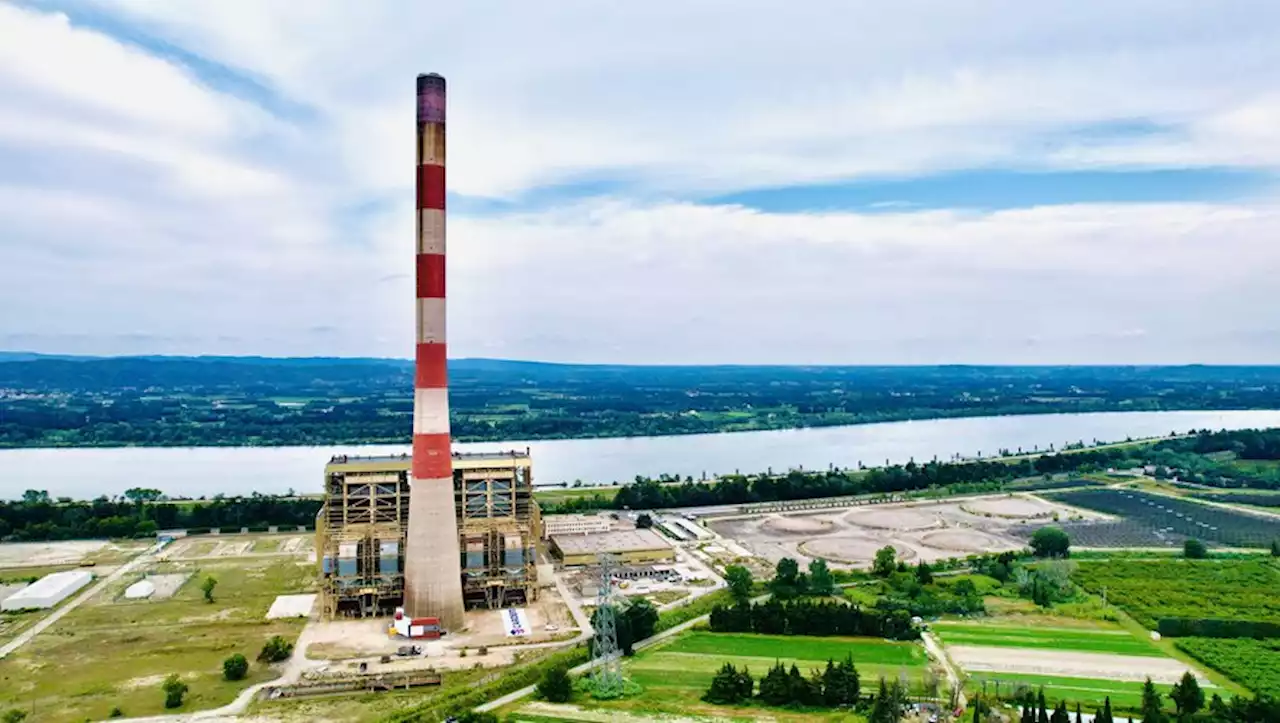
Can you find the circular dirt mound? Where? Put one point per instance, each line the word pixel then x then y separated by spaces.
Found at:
pixel 797 525
pixel 901 519
pixel 1018 507
pixel 851 550
pixel 963 541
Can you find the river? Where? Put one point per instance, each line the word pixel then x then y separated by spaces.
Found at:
pixel 206 471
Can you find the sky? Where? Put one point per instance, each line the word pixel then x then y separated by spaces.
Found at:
pixel 673 181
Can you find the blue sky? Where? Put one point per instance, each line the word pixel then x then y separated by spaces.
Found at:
pixel 671 182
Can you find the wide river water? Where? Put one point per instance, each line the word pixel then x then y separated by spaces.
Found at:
pixel 206 471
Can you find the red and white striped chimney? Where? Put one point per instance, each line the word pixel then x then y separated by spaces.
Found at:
pixel 433 570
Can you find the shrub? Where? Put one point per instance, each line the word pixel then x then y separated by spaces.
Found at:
pixel 14 715
pixel 174 691
pixel 235 667
pixel 555 685
pixel 116 712
pixel 207 586
pixel 1050 542
pixel 276 650
pixel 1194 550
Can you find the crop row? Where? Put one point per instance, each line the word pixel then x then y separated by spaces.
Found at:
pixel 1109 534
pixel 1151 590
pixel 1174 516
pixel 1261 499
pixel 1255 664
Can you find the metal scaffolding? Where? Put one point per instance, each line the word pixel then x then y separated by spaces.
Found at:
pixel 361 528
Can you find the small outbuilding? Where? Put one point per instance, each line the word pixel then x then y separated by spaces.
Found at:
pixel 48 591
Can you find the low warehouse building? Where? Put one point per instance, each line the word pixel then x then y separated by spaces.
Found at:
pixel 632 547
pixel 48 591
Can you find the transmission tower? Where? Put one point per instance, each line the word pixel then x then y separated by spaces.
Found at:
pixel 606 660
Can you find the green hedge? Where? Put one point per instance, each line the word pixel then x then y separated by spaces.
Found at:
pixel 1217 628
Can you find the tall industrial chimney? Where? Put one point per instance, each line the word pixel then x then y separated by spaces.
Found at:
pixel 433 569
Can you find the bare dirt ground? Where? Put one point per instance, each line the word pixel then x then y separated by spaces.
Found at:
pixel 923 530
pixel 37 554
pixel 202 548
pixel 1067 663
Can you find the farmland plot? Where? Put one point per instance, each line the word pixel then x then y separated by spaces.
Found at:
pixel 1153 589
pixel 1255 664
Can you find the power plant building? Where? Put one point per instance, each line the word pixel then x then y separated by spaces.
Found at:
pixel 362 530
pixel 630 547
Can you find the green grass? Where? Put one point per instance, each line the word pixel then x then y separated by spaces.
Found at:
pixel 1114 640
pixel 110 652
pixel 1088 692
pixel 795 647
pixel 1255 664
pixel 675 674
pixel 572 493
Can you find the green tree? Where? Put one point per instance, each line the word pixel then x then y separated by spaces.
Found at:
pixel 275 650
pixel 840 684
pixel 820 580
pixel 740 583
pixel 1152 710
pixel 885 562
pixel 1187 696
pixel 1079 717
pixel 1060 713
pixel 473 716
pixel 207 586
pixel 14 715
pixel 174 691
pixel 1105 716
pixel 235 667
pixel 887 707
pixel 642 617
pixel 1275 548
pixel 775 688
pixel 924 574
pixel 644 521
pixel 1194 550
pixel 555 685
pixel 786 579
pixel 1050 542
pixel 724 689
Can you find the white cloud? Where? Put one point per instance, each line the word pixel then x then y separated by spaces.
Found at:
pixel 718 96
pixel 144 210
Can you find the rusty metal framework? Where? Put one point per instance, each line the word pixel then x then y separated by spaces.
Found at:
pixel 360 533
pixel 361 528
pixel 498 527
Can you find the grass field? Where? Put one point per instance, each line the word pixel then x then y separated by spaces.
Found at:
pixel 1088 692
pixel 114 653
pixel 1115 640
pixel 557 496
pixel 674 675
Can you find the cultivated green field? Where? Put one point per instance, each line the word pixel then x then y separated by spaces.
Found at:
pixel 1115 640
pixel 1230 589
pixel 1254 664
pixel 1088 692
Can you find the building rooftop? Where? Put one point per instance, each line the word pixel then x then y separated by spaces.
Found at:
pixel 624 541
pixel 401 462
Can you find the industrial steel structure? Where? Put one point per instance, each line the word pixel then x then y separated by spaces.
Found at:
pixel 363 527
pixel 432 572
